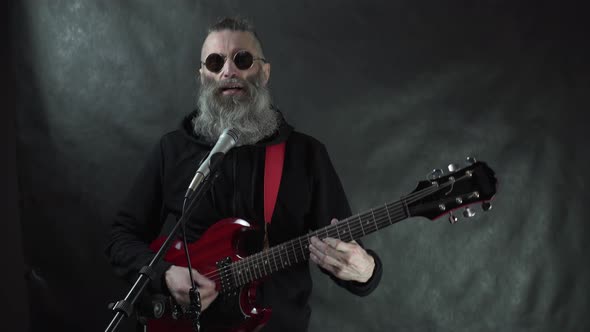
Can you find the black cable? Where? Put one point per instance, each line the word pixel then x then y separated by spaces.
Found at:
pixel 194 308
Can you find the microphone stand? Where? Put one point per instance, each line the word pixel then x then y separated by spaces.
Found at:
pixel 124 308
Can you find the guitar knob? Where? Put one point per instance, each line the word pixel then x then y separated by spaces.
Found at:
pixel 468 213
pixel 453 219
pixel 159 307
pixel 486 206
pixel 471 160
pixel 453 168
pixel 435 174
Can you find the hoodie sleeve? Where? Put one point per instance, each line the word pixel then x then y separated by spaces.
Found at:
pixel 137 222
pixel 329 201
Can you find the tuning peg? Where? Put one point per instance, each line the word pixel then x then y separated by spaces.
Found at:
pixel 468 213
pixel 435 174
pixel 471 160
pixel 453 167
pixel 486 206
pixel 453 219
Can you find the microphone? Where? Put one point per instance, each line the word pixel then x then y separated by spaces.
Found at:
pixel 227 140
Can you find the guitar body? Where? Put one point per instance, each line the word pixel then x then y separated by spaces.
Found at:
pixel 232 311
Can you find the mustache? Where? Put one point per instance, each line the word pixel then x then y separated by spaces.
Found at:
pixel 250 85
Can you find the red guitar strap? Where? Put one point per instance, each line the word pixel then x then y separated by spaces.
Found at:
pixel 273 170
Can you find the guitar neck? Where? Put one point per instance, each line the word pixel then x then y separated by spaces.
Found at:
pixel 296 251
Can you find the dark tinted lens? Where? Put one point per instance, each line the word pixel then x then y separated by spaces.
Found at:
pixel 243 60
pixel 214 62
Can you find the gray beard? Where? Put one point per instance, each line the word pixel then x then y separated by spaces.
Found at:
pixel 251 114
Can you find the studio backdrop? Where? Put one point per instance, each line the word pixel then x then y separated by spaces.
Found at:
pixel 394 89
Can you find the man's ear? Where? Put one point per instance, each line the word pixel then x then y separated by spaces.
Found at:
pixel 200 75
pixel 266 72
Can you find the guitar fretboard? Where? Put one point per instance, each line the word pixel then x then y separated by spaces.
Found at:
pixel 295 251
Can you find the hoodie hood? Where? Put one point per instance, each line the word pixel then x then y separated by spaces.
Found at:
pixel 281 135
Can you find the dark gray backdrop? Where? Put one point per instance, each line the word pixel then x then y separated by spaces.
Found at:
pixel 394 89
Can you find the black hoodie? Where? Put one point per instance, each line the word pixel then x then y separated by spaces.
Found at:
pixel 310 195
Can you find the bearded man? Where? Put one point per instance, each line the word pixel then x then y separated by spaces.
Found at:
pixel 233 94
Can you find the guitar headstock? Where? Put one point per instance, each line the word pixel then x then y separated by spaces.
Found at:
pixel 462 187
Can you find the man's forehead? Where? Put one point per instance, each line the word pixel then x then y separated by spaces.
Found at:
pixel 228 41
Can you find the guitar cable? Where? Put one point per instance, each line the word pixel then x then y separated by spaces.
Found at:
pixel 194 309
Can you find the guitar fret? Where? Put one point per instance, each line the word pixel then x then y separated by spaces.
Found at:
pixel 256 267
pixel 252 270
pixel 405 205
pixel 274 259
pixel 281 258
pixel 361 223
pixel 342 234
pixel 253 265
pixel 233 272
pixel 349 231
pixel 244 272
pixel 248 270
pixel 286 255
pixel 261 268
pixel 374 220
pixel 260 263
pixel 368 225
pixel 301 247
pixel 264 258
pixel 240 272
pixel 388 216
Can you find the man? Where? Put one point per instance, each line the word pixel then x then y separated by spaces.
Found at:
pixel 233 94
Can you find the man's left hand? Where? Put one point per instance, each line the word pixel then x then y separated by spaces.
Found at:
pixel 345 260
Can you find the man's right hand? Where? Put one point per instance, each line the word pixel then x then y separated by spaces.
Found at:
pixel 179 283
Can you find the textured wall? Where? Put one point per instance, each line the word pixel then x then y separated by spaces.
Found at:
pixel 14 310
pixel 394 89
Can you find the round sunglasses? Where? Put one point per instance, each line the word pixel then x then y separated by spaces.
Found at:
pixel 242 59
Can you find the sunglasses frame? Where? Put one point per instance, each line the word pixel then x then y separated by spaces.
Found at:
pixel 233 59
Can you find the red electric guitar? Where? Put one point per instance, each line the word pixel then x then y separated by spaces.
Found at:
pixel 219 253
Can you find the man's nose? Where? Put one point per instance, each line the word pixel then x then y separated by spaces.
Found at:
pixel 229 69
